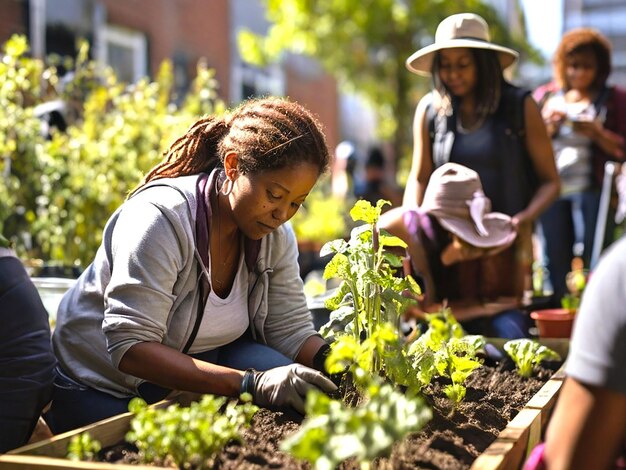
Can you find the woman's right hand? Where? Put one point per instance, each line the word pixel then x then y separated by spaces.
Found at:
pixel 288 386
pixel 553 118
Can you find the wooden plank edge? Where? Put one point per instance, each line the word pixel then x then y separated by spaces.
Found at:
pixel 22 462
pixel 108 431
pixel 513 444
pixel 545 400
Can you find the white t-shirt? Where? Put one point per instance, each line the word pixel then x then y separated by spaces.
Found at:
pixel 224 320
pixel 572 151
pixel 598 348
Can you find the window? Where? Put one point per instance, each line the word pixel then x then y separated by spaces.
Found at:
pixel 250 81
pixel 125 51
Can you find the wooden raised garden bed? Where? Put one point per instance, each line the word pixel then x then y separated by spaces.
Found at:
pixel 508 451
pixel 525 431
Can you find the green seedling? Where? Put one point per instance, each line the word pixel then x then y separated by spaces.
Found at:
pixel 333 432
pixel 187 436
pixel 370 293
pixel 83 447
pixel 527 353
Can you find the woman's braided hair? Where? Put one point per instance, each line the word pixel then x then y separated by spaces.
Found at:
pixel 266 133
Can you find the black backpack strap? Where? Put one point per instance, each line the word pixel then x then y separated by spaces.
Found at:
pixel 441 131
pixel 430 117
pixel 513 99
pixel 520 165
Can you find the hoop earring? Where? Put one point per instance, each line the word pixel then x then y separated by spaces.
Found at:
pixel 227 187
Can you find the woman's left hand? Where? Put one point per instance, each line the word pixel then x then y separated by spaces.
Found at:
pixel 611 143
pixel 589 128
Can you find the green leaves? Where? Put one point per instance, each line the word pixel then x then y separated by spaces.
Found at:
pixel 83 447
pixel 364 211
pixel 188 436
pixel 368 273
pixel 333 432
pixel 445 351
pixel 321 218
pixel 527 353
pixel 60 191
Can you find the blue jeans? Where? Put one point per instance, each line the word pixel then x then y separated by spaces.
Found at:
pixel 569 221
pixel 26 359
pixel 75 405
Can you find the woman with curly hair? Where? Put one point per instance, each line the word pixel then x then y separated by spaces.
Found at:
pixel 586 119
pixel 195 286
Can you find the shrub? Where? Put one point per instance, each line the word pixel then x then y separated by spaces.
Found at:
pixel 60 189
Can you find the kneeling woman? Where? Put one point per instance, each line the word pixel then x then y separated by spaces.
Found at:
pixel 464 254
pixel 195 286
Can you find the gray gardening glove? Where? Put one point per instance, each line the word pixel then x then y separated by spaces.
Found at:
pixel 288 385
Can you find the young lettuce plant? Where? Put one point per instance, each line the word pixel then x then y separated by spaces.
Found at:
pixel 442 326
pixel 83 447
pixel 188 436
pixel 370 293
pixel 333 431
pixel 444 350
pixel 527 353
pixel 458 360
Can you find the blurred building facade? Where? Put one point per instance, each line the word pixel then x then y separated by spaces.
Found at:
pixel 525 73
pixel 607 16
pixel 135 36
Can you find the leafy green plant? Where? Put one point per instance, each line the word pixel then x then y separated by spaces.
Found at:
pixel 457 360
pixel 370 293
pixel 351 355
pixel 22 86
pixel 333 431
pixel 59 191
pixel 527 354
pixel 444 350
pixel 570 302
pixel 442 326
pixel 576 281
pixel 188 436
pixel 83 447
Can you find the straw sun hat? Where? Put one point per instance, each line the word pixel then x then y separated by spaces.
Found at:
pixel 461 30
pixel 455 197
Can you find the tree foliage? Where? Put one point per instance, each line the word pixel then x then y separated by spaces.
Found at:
pixel 364 45
pixel 57 191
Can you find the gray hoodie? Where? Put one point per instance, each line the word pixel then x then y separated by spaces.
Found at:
pixel 144 285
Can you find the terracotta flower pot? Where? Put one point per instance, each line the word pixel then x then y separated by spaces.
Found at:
pixel 554 322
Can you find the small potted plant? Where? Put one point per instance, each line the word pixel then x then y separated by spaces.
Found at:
pixel 576 281
pixel 558 322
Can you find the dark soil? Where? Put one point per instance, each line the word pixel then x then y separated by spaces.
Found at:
pixel 451 440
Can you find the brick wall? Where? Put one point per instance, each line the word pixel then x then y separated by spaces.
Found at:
pixel 12 18
pixel 318 92
pixel 189 29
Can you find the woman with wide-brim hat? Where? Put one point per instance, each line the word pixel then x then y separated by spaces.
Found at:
pixel 476 118
pixel 465 117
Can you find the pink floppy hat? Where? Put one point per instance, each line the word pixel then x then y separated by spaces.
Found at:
pixel 460 30
pixel 455 197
